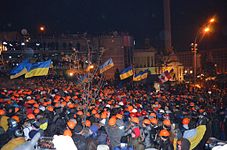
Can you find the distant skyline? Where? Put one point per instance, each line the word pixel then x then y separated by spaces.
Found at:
pixel 140 18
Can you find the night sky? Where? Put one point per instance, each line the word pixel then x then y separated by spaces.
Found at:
pixel 140 18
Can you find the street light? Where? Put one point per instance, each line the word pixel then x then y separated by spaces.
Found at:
pixel 42 30
pixel 205 29
pixel 212 20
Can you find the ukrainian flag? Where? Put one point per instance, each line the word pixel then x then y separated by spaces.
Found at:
pixel 106 66
pixel 140 76
pixel 39 69
pixel 127 72
pixel 20 70
pixel 137 77
pixel 144 74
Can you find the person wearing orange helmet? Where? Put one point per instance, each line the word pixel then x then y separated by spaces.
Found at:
pixel 154 131
pixel 164 141
pixel 166 124
pixel 113 132
pixel 146 133
pixel 185 122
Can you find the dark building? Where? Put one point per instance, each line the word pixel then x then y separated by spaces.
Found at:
pixel 74 48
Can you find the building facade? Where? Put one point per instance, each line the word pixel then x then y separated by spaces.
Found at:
pixel 218 57
pixel 143 58
pixel 74 48
pixel 146 59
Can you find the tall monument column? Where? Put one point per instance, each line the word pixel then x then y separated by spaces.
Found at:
pixel 167 27
pixel 171 58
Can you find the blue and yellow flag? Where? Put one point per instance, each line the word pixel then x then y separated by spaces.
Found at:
pixel 140 76
pixel 39 69
pixel 21 69
pixel 137 77
pixel 127 72
pixel 106 66
pixel 144 74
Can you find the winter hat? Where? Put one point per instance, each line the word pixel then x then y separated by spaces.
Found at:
pixel 136 131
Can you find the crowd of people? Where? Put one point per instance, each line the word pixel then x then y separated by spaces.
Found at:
pixel 36 113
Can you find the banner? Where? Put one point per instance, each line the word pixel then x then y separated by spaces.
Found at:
pixel 21 69
pixel 39 69
pixel 106 66
pixel 127 72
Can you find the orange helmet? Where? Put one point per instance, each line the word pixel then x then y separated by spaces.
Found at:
pixel 67 133
pixel 2 112
pixel 97 115
pixel 201 110
pixel 93 111
pixel 154 121
pixel 153 114
pixel 74 116
pixel 63 103
pixel 88 114
pixel 119 116
pixel 164 133
pixel 71 106
pixel 130 108
pixel 36 105
pixel 112 121
pixel 71 124
pixel 79 113
pixel 36 111
pixel 104 115
pixel 167 122
pixel 31 116
pixel 185 121
pixel 16 118
pixel 50 108
pixel 88 123
pixel 17 109
pixel 146 121
pixel 135 120
pixel 192 104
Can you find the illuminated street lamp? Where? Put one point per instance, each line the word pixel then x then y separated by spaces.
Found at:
pixel 212 20
pixel 205 29
pixel 42 30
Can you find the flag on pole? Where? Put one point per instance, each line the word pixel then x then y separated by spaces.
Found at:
pixel 106 66
pixel 137 77
pixel 127 72
pixel 164 76
pixel 140 76
pixel 21 69
pixel 144 74
pixel 39 69
pixel 172 75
